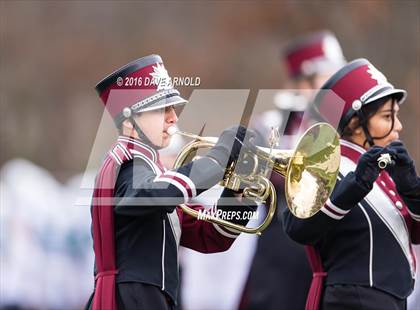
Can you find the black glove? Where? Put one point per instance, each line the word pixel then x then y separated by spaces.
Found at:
pixel 229 145
pixel 403 172
pixel 356 185
pixel 367 170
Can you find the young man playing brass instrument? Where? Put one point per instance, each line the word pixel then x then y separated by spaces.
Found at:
pixel 137 226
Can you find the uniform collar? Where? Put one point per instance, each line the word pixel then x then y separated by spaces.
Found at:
pixel 135 145
pixel 351 150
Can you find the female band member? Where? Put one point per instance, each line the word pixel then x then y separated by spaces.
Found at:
pixel 360 244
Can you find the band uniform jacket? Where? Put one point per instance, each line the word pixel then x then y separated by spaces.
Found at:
pixel 150 227
pixel 368 244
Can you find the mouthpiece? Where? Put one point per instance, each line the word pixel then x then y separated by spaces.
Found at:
pixel 172 130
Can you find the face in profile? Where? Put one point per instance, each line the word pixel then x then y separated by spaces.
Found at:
pixel 155 124
pixel 384 126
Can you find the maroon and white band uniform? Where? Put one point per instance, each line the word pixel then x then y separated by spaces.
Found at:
pixel 149 227
pixel 280 274
pixel 363 236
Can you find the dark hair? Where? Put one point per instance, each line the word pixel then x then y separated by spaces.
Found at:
pixel 368 111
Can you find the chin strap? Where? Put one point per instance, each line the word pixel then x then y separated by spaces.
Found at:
pixel 129 115
pixel 364 121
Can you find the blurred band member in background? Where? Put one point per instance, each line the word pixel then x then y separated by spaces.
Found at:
pixel 280 275
pixel 361 240
pixel 136 224
pixel 308 61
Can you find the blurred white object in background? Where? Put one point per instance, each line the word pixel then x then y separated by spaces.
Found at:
pixel 46 249
pixel 216 281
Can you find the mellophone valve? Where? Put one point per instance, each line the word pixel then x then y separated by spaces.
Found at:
pixel 384 160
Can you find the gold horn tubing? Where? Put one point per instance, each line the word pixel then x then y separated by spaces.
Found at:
pixel 310 172
pixel 279 159
pixel 258 189
pixel 210 140
pixel 213 219
pixel 187 154
pixel 240 228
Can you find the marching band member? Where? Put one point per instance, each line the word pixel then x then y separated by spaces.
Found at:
pixel 136 224
pixel 309 61
pixel 362 238
pixel 280 274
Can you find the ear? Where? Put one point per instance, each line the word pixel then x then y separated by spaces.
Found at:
pixel 127 124
pixel 358 131
pixel 354 126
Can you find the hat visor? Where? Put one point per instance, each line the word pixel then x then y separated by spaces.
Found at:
pixel 163 103
pixel 399 94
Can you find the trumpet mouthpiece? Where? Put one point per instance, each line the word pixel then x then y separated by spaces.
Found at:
pixel 172 130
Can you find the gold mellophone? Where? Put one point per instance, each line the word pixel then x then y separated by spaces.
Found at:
pixel 310 172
